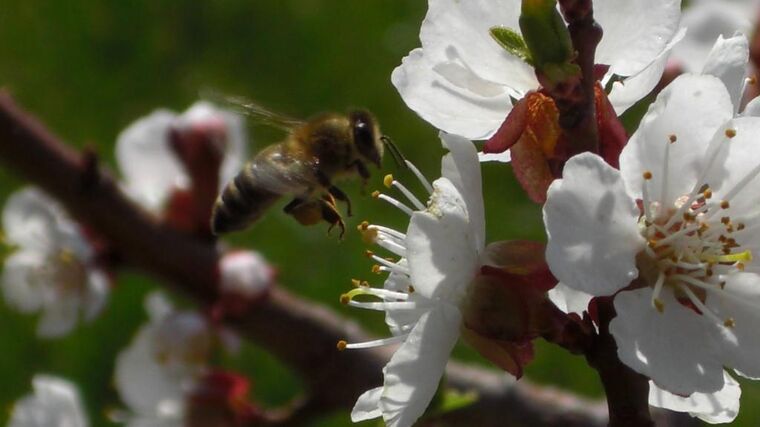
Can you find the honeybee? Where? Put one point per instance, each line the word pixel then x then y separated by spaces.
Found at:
pixel 314 154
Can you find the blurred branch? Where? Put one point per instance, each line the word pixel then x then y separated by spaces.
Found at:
pixel 299 332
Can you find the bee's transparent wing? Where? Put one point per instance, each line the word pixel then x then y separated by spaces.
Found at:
pixel 256 112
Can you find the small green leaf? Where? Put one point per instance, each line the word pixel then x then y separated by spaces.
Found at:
pixel 451 400
pixel 512 42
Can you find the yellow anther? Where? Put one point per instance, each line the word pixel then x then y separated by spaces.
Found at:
pixel 341 345
pixel 722 285
pixel 659 305
pixel 724 204
pixel 740 226
pixel 729 323
pixel 725 220
pixel 672 138
pixel 375 194
pixel 369 236
pixel 647 175
pixel 740 266
pixel 730 133
pixel 345 299
pixel 652 243
pixel 364 284
pixel 368 253
pixel 356 283
pixel 411 289
pixel 388 180
pixel 707 193
pixel 709 272
pixel 376 269
pixel 363 226
pixel 751 80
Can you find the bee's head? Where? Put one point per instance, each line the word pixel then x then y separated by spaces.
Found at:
pixel 366 136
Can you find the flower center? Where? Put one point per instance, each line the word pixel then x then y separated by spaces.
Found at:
pixel 66 272
pixel 691 243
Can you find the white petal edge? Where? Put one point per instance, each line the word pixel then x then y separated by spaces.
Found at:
pixel 462 168
pixel 592 226
pixel 55 403
pixel 714 408
pixel 673 348
pixel 728 62
pixel 415 370
pixel 568 299
pixel 367 406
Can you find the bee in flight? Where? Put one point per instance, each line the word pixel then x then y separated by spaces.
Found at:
pixel 314 154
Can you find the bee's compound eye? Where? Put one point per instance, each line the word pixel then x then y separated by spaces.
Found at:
pixel 364 136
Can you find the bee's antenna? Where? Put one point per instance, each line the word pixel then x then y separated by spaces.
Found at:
pixel 398 158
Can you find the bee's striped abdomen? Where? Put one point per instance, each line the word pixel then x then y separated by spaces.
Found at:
pixel 241 203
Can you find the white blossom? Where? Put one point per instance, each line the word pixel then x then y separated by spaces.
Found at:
pixel 51 270
pixel 150 167
pixel 461 80
pixel 162 365
pixel 55 402
pixel 672 235
pixel 439 257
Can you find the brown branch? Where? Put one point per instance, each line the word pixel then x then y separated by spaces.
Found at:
pixel 300 333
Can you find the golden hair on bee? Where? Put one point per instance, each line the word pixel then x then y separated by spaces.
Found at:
pixel 305 165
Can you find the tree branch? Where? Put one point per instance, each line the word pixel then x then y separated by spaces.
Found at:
pixel 300 333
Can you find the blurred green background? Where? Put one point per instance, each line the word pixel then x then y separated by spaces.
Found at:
pixel 89 68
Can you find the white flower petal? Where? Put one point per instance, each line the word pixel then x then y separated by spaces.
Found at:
pixel 706 20
pixel 55 403
pixel 96 296
pixel 740 348
pixel 752 109
pixel 503 157
pixel 458 32
pixel 440 245
pixel 462 168
pixel 21 290
pixel 59 317
pixel 635 32
pixel 692 108
pixel 413 374
pixel 144 384
pixel 624 94
pixel 715 408
pixel 146 160
pixel 367 406
pixel 236 136
pixel 728 61
pixel 673 348
pixel 737 162
pixel 568 299
pixel 30 218
pixel 592 227
pixel 445 105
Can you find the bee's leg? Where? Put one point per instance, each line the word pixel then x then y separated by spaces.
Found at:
pixel 340 195
pixel 288 209
pixel 363 172
pixel 332 216
pixel 305 211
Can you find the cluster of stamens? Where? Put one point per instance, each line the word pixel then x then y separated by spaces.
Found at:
pixel 693 243
pixel 390 300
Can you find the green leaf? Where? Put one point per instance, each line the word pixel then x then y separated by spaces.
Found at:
pixel 512 42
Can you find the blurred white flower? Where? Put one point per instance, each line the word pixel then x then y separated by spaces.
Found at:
pixel 52 269
pixel 245 274
pixel 164 362
pixel 671 235
pixel 461 80
pixel 705 20
pixel 440 256
pixel 54 403
pixel 151 167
